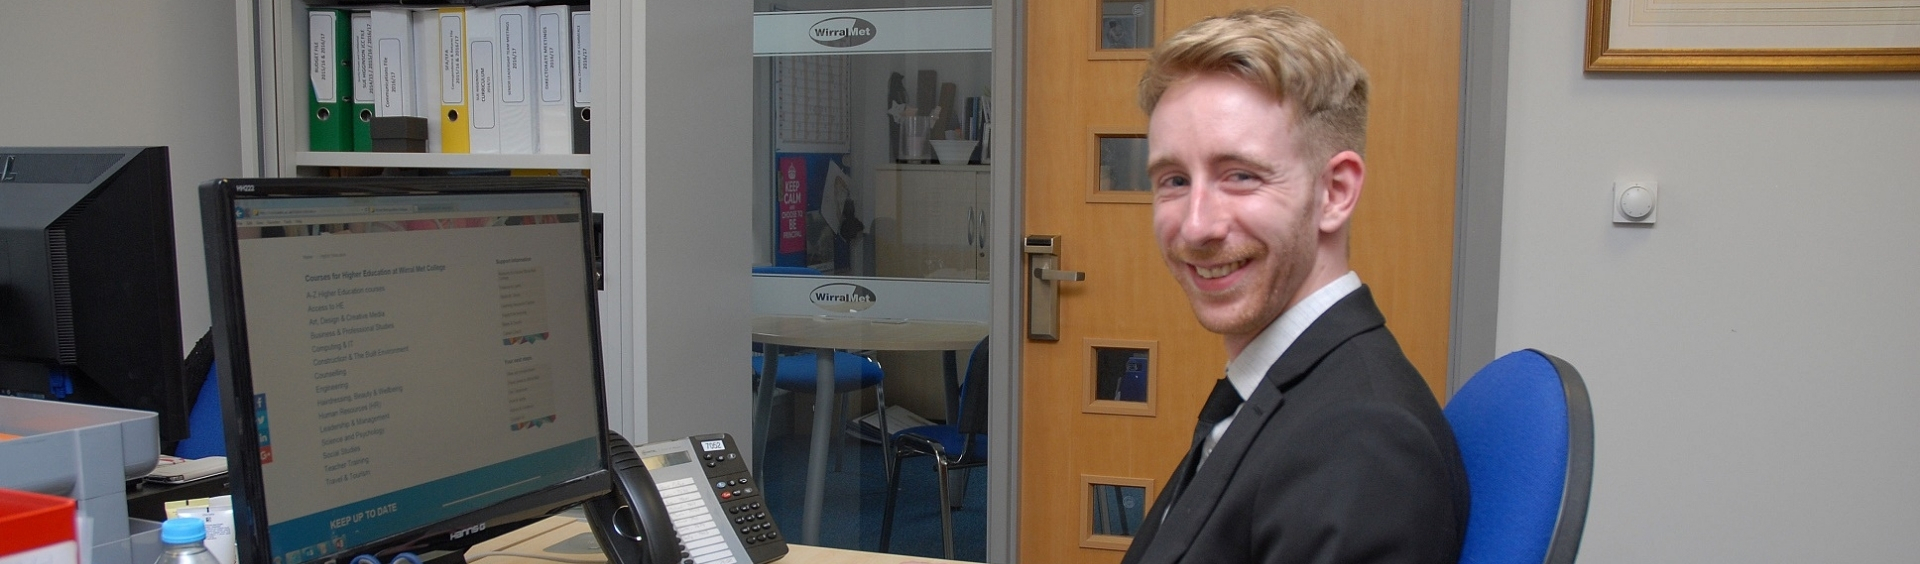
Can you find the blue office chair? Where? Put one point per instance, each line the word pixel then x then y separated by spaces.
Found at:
pixel 955 445
pixel 206 434
pixel 1525 429
pixel 797 371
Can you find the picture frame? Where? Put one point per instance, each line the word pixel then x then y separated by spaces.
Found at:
pixel 1752 36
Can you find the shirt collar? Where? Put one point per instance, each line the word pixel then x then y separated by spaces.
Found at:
pixel 1247 370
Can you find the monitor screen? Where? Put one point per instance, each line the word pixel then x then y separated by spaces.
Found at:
pixel 412 360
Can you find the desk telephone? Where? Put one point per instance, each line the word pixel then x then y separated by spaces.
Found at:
pixel 689 501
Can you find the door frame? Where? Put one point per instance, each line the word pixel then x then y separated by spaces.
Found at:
pixel 1005 279
pixel 1480 189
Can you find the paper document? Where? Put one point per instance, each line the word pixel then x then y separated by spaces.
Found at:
pixel 867 427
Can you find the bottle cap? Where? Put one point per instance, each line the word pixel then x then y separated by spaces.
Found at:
pixel 182 530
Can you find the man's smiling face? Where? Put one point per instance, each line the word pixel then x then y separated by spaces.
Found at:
pixel 1236 209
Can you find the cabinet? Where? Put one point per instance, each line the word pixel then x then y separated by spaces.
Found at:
pixel 933 221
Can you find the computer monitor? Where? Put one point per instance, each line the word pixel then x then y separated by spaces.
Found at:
pixel 405 361
pixel 89 300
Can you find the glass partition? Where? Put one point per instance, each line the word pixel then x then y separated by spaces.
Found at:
pixel 872 164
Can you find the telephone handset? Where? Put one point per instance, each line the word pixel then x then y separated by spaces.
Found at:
pixel 694 502
pixel 631 522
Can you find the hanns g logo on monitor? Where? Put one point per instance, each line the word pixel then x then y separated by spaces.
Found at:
pixel 843 297
pixel 842 32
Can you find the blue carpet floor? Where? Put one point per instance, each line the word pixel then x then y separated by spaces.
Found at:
pixel 856 498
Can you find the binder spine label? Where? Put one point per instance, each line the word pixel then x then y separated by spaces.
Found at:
pixel 321 66
pixel 393 63
pixel 392 80
pixel 513 58
pixel 453 79
pixel 484 97
pixel 362 59
pixel 552 60
pixel 582 40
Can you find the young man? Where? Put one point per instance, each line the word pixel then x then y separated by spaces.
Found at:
pixel 1322 443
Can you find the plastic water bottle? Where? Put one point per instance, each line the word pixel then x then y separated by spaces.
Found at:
pixel 183 541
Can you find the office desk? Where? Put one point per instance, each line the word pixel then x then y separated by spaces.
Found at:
pixel 828 334
pixel 571 540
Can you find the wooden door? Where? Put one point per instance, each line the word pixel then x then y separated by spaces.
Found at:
pixel 1402 247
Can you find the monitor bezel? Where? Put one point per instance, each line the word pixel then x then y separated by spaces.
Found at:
pixel 233 360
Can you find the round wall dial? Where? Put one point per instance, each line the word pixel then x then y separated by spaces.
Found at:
pixel 1636 202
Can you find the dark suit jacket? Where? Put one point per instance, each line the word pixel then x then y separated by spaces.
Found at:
pixel 1341 455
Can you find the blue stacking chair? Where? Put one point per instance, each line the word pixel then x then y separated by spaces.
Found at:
pixel 797 371
pixel 955 445
pixel 851 372
pixel 1525 429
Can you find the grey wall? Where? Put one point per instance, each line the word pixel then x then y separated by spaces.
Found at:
pixel 1752 357
pixel 113 72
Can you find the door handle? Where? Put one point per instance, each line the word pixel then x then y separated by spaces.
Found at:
pixel 983 232
pixel 972 228
pixel 1043 286
pixel 1059 275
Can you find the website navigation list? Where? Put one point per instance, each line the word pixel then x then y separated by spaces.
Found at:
pixel 529 394
pixel 523 306
pixel 523 325
pixel 347 322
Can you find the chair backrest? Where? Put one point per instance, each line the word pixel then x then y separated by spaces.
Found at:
pixel 1525 429
pixel 973 393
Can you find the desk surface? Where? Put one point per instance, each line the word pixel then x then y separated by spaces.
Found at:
pixel 818 331
pixel 802 554
pixel 566 531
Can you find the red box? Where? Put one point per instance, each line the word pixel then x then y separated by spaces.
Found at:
pixel 34 521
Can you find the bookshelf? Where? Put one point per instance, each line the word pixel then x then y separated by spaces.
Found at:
pixel 273 66
pixel 437 160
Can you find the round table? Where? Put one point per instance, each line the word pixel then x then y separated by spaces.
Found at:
pixel 827 334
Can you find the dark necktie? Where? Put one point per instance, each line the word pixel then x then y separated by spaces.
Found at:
pixel 1220 404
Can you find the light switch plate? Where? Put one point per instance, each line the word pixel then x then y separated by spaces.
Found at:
pixel 1636 203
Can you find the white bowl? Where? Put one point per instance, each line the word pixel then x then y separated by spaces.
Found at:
pixel 954 152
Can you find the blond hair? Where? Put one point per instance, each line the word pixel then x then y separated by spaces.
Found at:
pixel 1283 52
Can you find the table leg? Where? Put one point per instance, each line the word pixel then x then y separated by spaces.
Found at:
pixel 763 407
pixel 817 456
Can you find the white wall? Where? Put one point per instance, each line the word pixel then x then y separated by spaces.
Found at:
pixel 131 72
pixel 1751 358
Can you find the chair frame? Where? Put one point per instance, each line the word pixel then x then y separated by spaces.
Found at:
pixel 971 455
pixel 1578 489
pixel 911 445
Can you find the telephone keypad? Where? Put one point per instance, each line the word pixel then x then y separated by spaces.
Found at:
pixel 741 500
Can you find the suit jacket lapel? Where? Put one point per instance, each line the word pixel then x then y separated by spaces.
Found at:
pixel 1169 540
pixel 1351 316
